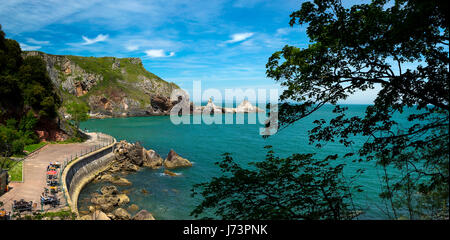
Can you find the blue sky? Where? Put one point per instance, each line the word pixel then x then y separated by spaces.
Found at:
pixel 223 44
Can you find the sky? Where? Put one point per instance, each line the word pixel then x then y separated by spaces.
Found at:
pixel 222 43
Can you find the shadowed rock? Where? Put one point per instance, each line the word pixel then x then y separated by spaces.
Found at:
pixel 99 215
pixel 109 198
pixel 151 159
pixel 174 160
pixel 121 214
pixel 143 215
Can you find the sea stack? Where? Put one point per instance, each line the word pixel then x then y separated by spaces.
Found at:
pixel 211 107
pixel 247 107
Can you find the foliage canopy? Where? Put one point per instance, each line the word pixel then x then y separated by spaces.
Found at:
pixel 399 47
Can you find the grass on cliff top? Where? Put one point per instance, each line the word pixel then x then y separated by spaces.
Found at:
pixel 103 66
pixel 114 81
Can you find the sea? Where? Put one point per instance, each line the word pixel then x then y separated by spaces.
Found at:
pixel 204 144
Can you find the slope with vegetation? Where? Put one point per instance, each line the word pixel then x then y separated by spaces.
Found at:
pixel 29 102
pixel 109 86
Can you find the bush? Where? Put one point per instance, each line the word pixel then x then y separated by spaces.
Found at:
pixel 18 146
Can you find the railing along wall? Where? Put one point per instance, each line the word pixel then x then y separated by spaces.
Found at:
pixel 82 168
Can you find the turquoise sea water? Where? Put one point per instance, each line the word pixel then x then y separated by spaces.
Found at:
pixel 169 197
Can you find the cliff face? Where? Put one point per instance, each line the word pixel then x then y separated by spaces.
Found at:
pixel 112 87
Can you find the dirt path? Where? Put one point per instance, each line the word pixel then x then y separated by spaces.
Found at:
pixel 34 171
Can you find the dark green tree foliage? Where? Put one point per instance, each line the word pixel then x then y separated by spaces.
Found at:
pixel 26 96
pixel 297 187
pixel 403 48
pixel 37 88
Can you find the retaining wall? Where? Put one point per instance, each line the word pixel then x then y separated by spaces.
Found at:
pixel 82 170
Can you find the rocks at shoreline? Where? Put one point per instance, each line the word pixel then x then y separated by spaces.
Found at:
pixel 143 215
pixel 151 159
pixel 133 208
pixel 107 177
pixel 109 204
pixel 174 160
pixel 121 214
pixel 97 215
pixel 127 152
pixel 130 157
pixel 109 198
pixel 118 214
pixel 169 173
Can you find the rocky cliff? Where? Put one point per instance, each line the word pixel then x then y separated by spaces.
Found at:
pixel 112 87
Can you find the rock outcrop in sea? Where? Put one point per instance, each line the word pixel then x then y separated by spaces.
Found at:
pixel 151 159
pixel 244 107
pixel 143 215
pixel 247 107
pixel 174 160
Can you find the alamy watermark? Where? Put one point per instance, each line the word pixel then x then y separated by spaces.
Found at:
pixel 260 104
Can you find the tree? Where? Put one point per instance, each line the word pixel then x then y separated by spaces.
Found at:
pixel 37 88
pixel 403 50
pixel 297 187
pixel 78 112
pixel 25 89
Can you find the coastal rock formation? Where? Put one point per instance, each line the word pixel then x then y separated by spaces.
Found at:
pixel 99 215
pixel 121 214
pixel 247 107
pixel 109 198
pixel 244 107
pixel 169 173
pixel 116 180
pixel 112 87
pixel 86 217
pixel 211 108
pixel 174 160
pixel 151 159
pixel 143 215
pixel 129 152
pixel 133 208
pixel 161 105
pixel 130 157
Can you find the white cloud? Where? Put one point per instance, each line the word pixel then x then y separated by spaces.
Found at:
pixel 34 41
pixel 132 47
pixel 99 38
pixel 239 37
pixel 157 53
pixel 26 47
pixel 289 30
pixel 19 16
